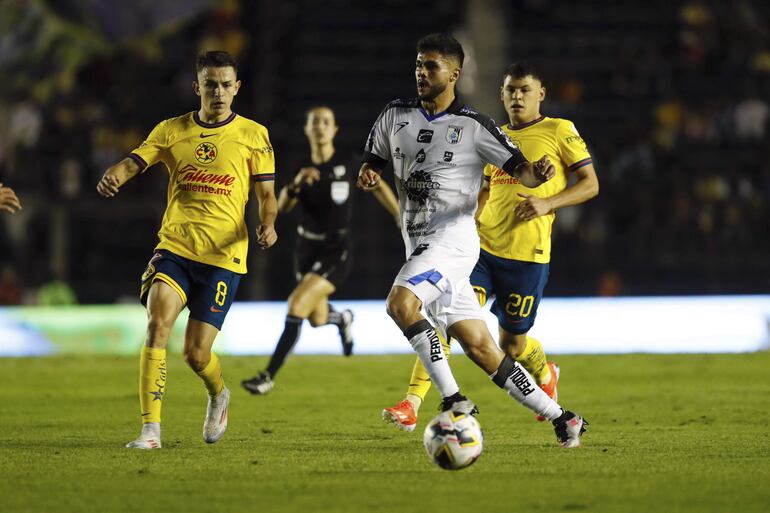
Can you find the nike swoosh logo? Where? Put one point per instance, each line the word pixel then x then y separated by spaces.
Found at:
pixel 203 136
pixel 216 310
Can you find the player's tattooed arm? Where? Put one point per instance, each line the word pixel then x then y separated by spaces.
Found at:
pixel 116 176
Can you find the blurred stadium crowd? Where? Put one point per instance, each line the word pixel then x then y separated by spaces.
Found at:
pixel 671 96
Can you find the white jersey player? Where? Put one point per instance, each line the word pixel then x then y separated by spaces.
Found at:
pixel 438 148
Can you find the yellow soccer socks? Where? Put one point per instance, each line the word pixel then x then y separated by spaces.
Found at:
pixel 533 359
pixel 419 384
pixel 212 376
pixel 152 382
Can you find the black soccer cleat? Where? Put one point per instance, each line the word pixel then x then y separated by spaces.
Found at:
pixel 260 384
pixel 569 427
pixel 458 403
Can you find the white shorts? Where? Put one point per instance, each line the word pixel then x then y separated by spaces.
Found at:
pixel 439 276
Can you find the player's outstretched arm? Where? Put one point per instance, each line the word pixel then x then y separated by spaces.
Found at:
pixel 116 176
pixel 387 199
pixel 585 188
pixel 368 177
pixel 8 200
pixel 268 211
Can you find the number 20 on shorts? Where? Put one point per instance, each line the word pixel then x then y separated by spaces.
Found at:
pixel 221 293
pixel 519 306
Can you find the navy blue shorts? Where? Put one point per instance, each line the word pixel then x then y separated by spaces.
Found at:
pixel 516 285
pixel 207 290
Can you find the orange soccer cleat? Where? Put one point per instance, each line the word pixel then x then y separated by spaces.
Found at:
pixel 550 387
pixel 402 415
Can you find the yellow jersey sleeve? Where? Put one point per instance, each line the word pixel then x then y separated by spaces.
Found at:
pixel 262 162
pixel 572 148
pixel 489 170
pixel 151 150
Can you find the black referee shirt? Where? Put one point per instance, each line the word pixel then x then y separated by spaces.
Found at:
pixel 326 205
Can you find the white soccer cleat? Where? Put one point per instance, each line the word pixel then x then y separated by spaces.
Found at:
pixel 216 416
pixel 148 439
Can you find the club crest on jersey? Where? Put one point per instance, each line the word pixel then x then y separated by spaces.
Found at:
pixel 425 136
pixel 420 157
pixel 454 134
pixel 339 171
pixel 419 186
pixel 205 153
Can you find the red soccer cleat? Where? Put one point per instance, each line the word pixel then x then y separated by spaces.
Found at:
pixel 550 388
pixel 402 415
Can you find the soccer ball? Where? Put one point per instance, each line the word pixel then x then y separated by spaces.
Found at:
pixel 453 440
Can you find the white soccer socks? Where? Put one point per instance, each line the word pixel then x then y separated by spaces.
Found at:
pixel 427 344
pixel 514 379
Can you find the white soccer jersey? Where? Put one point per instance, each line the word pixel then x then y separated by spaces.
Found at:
pixel 438 162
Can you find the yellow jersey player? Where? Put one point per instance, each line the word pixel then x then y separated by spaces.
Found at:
pixel 514 225
pixel 212 156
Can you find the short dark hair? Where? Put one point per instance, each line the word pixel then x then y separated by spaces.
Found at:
pixel 216 59
pixel 523 69
pixel 444 44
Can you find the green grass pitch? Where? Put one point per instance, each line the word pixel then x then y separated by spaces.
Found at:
pixel 667 433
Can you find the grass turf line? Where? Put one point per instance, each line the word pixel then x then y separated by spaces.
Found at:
pixel 668 433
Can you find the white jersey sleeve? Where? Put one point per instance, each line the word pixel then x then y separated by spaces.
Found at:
pixel 495 147
pixel 377 150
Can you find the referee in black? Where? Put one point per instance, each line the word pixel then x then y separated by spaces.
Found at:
pixel 322 260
